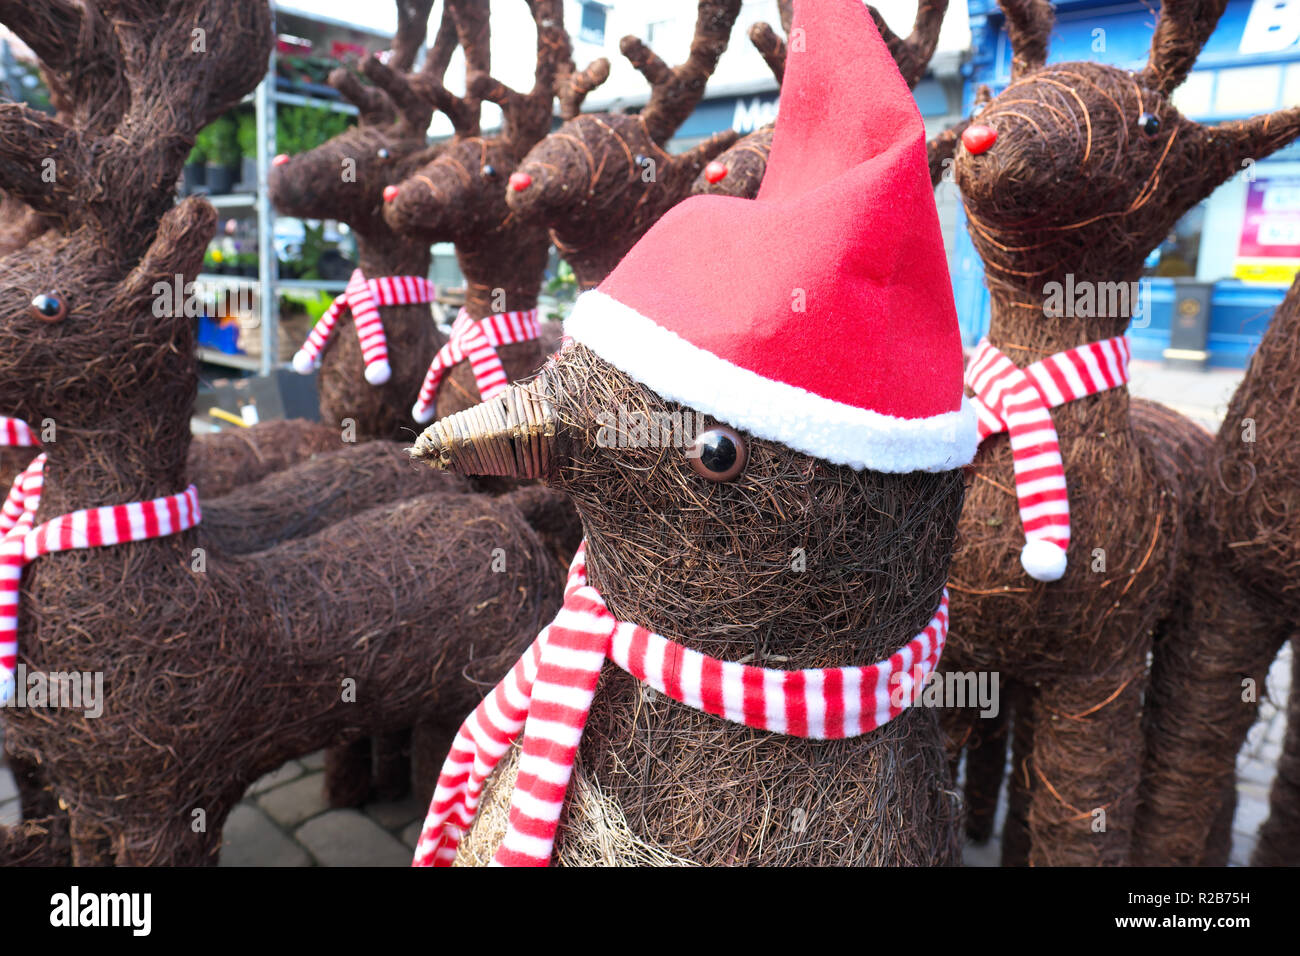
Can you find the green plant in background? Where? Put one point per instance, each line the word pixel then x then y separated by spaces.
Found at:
pixel 564 287
pixel 197 156
pixel 219 141
pixel 314 304
pixel 247 135
pixel 302 128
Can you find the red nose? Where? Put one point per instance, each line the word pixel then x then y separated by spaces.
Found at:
pixel 280 160
pixel 977 139
pixel 715 172
pixel 520 181
pixel 390 193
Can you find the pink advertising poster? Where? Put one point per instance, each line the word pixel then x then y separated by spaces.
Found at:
pixel 1269 250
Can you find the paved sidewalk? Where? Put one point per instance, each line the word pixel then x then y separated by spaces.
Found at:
pixel 283 820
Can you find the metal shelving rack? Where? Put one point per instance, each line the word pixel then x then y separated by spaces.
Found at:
pixel 265 99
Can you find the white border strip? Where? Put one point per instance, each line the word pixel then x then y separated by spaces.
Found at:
pixel 681 372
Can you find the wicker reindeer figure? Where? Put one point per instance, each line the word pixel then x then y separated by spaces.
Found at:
pixel 602 179
pixel 460 197
pixel 215 669
pixel 373 356
pixel 1235 606
pixel 1069 178
pixel 833 453
pixel 738 171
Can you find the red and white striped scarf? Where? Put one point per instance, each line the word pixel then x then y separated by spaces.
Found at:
pixel 1017 401
pixel 548 694
pixel 16 433
pixel 363 298
pixel 88 528
pixel 478 341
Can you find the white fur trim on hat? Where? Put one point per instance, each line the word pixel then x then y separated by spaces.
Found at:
pixel 841 434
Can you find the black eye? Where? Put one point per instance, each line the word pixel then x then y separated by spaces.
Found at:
pixel 1149 123
pixel 718 454
pixel 489 171
pixel 641 159
pixel 49 307
pixel 383 154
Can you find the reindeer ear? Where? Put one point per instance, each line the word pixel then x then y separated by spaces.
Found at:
pixel 177 249
pixel 1181 31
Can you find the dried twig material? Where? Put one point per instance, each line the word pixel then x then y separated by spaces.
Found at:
pixel 710 565
pixel 216 668
pixel 601 180
pixel 1089 170
pixel 738 171
pixel 345 179
pixel 460 196
pixel 225 460
pixel 1234 609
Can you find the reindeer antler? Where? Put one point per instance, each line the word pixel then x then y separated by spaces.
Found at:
pixel 676 91
pixel 1029 27
pixel 132 111
pixel 1181 31
pixel 770 46
pixel 75 44
pixel 528 115
pixel 471 22
pixel 913 53
pixel 572 86
pixel 393 96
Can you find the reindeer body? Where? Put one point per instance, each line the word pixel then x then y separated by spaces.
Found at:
pixel 1090 168
pixel 1235 608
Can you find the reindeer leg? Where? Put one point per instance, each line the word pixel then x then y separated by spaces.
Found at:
pixel 1198 712
pixel 392 765
pixel 90 840
pixel 1086 769
pixel 1020 782
pixel 347 773
pixel 986 760
pixel 1279 837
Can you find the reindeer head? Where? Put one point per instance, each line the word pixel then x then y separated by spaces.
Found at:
pixel 602 179
pixel 1083 168
pixel 739 170
pixel 86 334
pixel 460 195
pixel 347 177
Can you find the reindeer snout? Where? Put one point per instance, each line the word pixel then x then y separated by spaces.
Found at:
pixel 978 138
pixel 513 435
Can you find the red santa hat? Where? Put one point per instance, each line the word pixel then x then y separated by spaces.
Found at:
pixel 819 314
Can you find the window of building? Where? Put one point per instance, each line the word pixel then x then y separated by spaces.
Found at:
pixel 592 28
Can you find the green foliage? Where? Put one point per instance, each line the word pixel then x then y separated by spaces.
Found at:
pixel 302 128
pixel 247 135
pixel 219 141
pixel 564 286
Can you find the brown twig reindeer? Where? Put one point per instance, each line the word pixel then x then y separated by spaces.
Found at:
pixel 1234 608
pixel 460 196
pixel 602 179
pixel 738 171
pixel 1090 168
pixel 216 669
pixel 346 179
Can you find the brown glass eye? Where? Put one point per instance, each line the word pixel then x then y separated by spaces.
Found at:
pixel 49 307
pixel 718 454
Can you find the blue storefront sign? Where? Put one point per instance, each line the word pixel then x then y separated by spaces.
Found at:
pixel 1250 65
